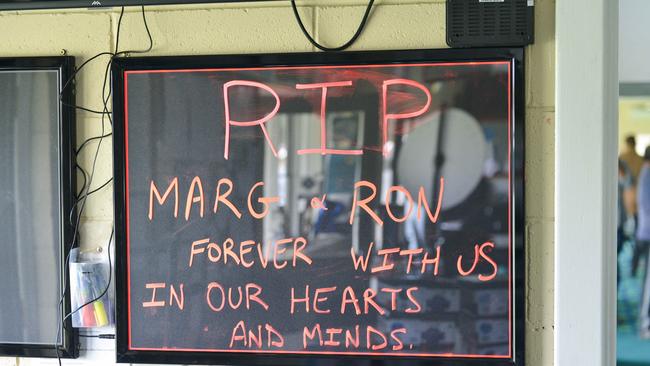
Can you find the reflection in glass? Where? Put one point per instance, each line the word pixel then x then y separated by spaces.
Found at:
pixel 458 149
pixel 30 229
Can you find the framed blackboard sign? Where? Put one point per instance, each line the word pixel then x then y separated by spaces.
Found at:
pixel 37 190
pixel 302 209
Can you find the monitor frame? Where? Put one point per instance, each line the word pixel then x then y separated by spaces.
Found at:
pixel 64 65
pixel 98 4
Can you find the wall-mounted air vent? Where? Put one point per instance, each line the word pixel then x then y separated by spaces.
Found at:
pixel 477 23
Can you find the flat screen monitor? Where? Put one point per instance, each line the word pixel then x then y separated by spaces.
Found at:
pixel 36 192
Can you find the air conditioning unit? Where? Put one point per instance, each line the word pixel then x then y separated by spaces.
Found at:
pixel 490 23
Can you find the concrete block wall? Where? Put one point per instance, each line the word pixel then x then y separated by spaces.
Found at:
pixel 270 27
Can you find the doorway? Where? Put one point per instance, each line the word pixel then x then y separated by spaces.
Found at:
pixel 633 290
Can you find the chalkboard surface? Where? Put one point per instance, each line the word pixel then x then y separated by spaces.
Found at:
pixel 340 209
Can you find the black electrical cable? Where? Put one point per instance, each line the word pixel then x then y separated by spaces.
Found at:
pixel 100 187
pixel 105 98
pixel 88 180
pixel 87 183
pixel 106 53
pixel 83 144
pixel 73 78
pixel 83 187
pixel 80 197
pixel 100 336
pixel 331 49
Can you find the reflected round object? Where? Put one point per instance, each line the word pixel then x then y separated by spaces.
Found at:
pixel 464 149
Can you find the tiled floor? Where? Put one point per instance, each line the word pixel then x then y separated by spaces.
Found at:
pixel 631 350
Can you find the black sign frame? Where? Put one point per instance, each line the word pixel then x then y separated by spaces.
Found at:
pixel 515 56
pixel 65 66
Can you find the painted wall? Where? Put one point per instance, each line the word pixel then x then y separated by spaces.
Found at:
pixel 634 119
pixel 270 27
pixel 633 38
